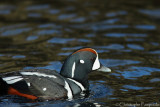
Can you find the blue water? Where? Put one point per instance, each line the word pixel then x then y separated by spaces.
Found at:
pixel 40 35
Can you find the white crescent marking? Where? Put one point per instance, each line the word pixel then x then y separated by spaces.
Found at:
pixel 73 69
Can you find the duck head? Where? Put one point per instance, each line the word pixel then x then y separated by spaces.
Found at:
pixel 80 63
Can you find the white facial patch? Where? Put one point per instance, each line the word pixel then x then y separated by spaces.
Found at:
pixel 38 74
pixel 96 64
pixel 73 69
pixel 82 61
pixel 13 79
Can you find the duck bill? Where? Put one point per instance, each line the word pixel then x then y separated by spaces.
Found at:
pixel 104 69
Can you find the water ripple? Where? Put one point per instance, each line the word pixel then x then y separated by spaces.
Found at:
pixel 146 27
pixel 155 80
pixel 66 16
pixel 18 56
pixel 135 46
pixel 113 14
pixel 47 32
pixel 136 87
pixel 54 65
pixel 5 12
pixel 125 35
pixel 9 27
pixel 111 46
pixel 71 48
pixel 133 72
pixel 155 52
pixel 106 27
pixel 152 13
pixel 15 31
pixel 54 11
pixel 66 40
pixel 29 38
pixel 118 62
pixel 38 7
pixel 36 15
pixel 79 19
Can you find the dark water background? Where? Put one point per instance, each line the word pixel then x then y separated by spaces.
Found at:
pixel 126 34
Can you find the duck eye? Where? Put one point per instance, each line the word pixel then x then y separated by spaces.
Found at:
pixel 82 61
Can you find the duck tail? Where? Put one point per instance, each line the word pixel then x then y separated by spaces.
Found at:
pixel 3 87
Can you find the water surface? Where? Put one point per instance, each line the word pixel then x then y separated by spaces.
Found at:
pixel 41 34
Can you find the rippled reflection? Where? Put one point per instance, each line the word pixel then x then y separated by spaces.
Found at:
pixel 136 87
pixel 40 35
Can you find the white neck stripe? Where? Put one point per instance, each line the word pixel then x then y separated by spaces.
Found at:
pixel 78 83
pixel 69 92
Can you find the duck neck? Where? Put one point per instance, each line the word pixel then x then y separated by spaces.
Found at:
pixel 82 85
pixel 81 78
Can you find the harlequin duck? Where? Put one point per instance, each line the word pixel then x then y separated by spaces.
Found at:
pixel 47 84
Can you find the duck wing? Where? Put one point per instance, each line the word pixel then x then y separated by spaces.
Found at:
pixel 37 83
